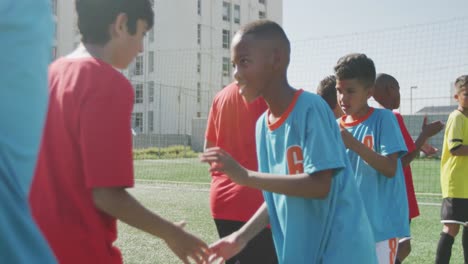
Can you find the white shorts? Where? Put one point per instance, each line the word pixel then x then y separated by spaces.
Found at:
pixel 387 251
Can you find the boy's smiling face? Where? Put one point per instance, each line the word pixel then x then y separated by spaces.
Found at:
pixel 353 96
pixel 253 65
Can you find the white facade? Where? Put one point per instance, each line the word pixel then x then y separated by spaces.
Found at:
pixel 186 58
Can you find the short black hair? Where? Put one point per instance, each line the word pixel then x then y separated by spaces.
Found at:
pixel 461 83
pixel 95 17
pixel 387 79
pixel 268 30
pixel 327 90
pixel 356 66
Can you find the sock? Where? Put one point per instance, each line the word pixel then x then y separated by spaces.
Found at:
pixel 444 249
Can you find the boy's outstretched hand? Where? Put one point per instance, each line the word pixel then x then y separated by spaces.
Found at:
pixel 221 161
pixel 429 130
pixel 227 247
pixel 186 246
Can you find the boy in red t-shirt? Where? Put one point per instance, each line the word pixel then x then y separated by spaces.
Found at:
pixel 387 94
pixel 85 161
pixel 232 205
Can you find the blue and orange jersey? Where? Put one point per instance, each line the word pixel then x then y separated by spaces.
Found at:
pixel 384 198
pixel 306 139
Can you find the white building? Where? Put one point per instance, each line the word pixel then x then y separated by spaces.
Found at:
pixel 186 58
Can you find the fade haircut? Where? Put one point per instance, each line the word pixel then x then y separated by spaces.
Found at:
pixel 95 17
pixel 461 83
pixel 266 30
pixel 327 90
pixel 356 66
pixel 383 78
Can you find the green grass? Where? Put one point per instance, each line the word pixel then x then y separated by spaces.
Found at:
pixel 425 172
pixel 172 152
pixel 179 170
pixel 426 175
pixel 178 190
pixel 190 202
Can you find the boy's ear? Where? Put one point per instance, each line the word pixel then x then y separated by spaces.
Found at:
pixel 119 26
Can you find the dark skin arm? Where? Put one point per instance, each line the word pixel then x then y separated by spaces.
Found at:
pixel 316 185
pixel 427 131
pixel 386 165
pixel 118 203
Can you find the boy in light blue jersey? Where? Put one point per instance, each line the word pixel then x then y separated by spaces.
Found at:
pixel 26 43
pixel 311 199
pixel 375 146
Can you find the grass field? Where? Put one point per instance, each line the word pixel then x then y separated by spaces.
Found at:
pixel 178 190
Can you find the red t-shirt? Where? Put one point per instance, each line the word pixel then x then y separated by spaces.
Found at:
pixel 412 202
pixel 231 126
pixel 87 143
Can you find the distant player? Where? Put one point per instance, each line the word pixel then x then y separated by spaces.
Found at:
pixel 387 94
pixel 375 146
pixel 453 176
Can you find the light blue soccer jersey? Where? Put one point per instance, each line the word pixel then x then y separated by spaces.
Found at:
pixel 332 230
pixel 384 198
pixel 26 28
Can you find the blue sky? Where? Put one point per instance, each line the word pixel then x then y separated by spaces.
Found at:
pixel 421 43
pixel 304 19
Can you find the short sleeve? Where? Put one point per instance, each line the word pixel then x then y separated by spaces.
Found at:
pixel 390 139
pixel 211 131
pixel 105 136
pixel 404 132
pixel 454 131
pixel 323 146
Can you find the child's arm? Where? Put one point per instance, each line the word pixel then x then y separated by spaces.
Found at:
pixel 427 131
pixel 316 185
pixel 462 150
pixel 118 203
pixel 386 165
pixel 229 246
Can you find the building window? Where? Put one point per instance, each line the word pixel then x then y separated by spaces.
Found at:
pixel 261 15
pixel 198 92
pixel 151 35
pixel 226 11
pixel 237 14
pixel 150 121
pixel 199 34
pixel 151 61
pixel 151 91
pixel 137 122
pixel 226 65
pixel 54 7
pixel 226 38
pixel 262 1
pixel 138 93
pixel 199 62
pixel 198 114
pixel 199 7
pixel 138 65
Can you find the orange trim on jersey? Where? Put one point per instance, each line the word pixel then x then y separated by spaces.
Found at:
pixel 295 160
pixel 356 122
pixel 285 115
pixel 393 245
